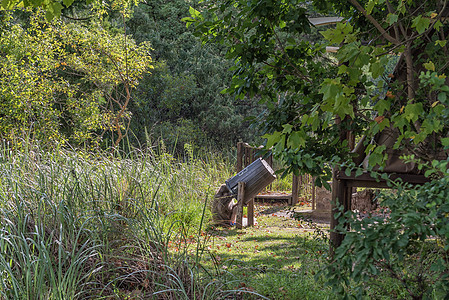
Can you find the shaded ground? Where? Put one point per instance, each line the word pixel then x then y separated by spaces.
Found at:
pixel 281 209
pixel 278 258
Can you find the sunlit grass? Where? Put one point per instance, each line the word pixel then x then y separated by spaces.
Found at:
pixel 278 258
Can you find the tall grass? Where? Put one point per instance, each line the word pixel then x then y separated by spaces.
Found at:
pixel 77 225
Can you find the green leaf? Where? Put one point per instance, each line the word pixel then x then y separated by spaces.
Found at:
pixel 67 3
pixel 348 172
pixel 392 18
pixel 420 23
pixel 370 7
pixel 381 106
pixel 194 13
pixel 429 66
pixel 438 25
pixel 272 138
pixel 440 43
pixel 287 128
pixel 377 69
pixel 296 140
pixel 7 4
pixel 413 111
pixel 445 141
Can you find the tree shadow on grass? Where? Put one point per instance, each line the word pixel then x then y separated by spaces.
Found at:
pixel 275 253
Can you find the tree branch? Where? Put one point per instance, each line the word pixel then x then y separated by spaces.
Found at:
pixel 373 21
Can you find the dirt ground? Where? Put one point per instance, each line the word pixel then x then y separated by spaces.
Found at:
pixel 282 209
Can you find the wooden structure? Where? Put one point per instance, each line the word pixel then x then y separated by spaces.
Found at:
pixel 342 184
pixel 247 154
pixel 247 184
pixel 256 176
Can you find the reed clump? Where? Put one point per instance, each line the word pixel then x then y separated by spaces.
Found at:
pixel 79 225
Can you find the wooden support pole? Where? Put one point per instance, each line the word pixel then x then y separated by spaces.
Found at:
pixel 270 160
pixel 250 214
pixel 341 195
pixel 240 199
pixel 295 190
pixel 313 194
pixel 239 156
pixel 251 155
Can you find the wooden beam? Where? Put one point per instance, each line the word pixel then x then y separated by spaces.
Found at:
pixel 325 21
pixel 250 213
pixel 366 180
pixel 275 197
pixel 239 156
pixel 240 198
pixel 295 189
pixel 313 194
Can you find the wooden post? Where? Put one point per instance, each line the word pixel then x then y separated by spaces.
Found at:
pixel 340 194
pixel 239 156
pixel 251 155
pixel 240 198
pixel 270 162
pixel 313 194
pixel 250 214
pixel 295 190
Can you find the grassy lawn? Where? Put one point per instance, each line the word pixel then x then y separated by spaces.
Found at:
pixel 278 258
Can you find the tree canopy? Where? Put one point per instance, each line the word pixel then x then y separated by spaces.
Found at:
pixel 64 81
pixel 388 74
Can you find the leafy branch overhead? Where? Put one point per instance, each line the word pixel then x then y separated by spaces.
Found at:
pixel 388 75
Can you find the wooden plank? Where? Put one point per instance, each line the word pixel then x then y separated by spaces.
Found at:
pixel 366 180
pixel 325 20
pixel 250 214
pixel 240 197
pixel 275 197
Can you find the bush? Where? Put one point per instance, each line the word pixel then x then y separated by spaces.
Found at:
pixel 403 253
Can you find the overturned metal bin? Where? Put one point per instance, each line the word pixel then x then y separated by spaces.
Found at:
pixel 256 177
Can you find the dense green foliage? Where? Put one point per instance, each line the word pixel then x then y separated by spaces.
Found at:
pixel 407 246
pixel 63 81
pixel 388 79
pixel 274 63
pixel 312 101
pixel 181 99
